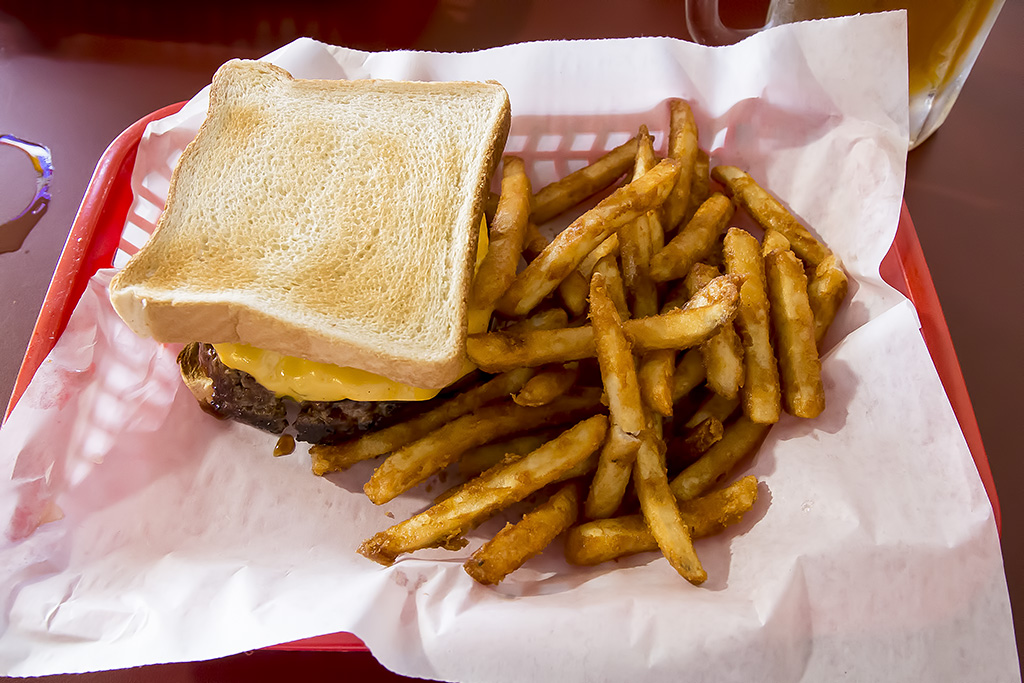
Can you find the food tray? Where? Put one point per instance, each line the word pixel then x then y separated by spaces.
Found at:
pixel 96 234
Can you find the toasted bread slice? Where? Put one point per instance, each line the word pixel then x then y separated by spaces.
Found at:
pixel 331 220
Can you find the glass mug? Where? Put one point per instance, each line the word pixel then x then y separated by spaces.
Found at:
pixel 945 37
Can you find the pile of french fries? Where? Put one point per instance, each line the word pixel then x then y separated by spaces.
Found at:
pixel 702 335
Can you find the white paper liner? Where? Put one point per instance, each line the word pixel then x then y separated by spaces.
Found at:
pixel 871 555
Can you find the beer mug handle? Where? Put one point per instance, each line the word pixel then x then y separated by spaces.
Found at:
pixel 706 27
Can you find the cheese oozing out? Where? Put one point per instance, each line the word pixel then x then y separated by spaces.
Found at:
pixel 306 380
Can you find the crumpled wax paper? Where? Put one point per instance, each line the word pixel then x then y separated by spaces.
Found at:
pixel 871 555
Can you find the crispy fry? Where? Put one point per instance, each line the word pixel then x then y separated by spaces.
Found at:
pixel 443 524
pixel 657 370
pixel 415 462
pixel 607 539
pixel 573 293
pixel 614 465
pixel 618 370
pixel 573 289
pixel 772 240
pixel 533 241
pixel 609 247
pixel 826 291
pixel 715 406
pixel 678 329
pixel 682 145
pixel 634 237
pixel 761 393
pixel 563 194
pixel 547 319
pixel 645 158
pixel 699 186
pixel 333 458
pixel 565 252
pixel 476 460
pixel 546 386
pixel 689 374
pixel 609 269
pixel 803 394
pixel 769 213
pixel 659 507
pixel 741 439
pixel 502 350
pixel 644 293
pixel 516 543
pixel 723 352
pixel 656 373
pixel 695 241
pixel 490 206
pixel 581 469
pixel 507 236
pixel 702 437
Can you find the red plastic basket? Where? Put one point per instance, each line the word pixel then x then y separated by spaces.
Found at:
pixel 96 232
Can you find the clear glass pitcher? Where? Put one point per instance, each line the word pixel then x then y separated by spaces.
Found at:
pixel 945 37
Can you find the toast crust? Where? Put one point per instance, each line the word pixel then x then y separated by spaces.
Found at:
pixel 330 220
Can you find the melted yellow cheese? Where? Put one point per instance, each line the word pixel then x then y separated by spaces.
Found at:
pixel 306 380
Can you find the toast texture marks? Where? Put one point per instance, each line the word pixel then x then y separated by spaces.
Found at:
pixel 330 220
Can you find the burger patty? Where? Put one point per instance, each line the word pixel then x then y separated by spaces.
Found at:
pixel 238 396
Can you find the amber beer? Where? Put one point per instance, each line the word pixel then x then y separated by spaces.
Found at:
pixel 944 39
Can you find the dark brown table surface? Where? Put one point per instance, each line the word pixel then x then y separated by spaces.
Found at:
pixel 73 75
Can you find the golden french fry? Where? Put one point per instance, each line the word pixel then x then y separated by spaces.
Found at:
pixel 443 524
pixel 714 406
pixel 573 289
pixel 337 457
pixel 659 507
pixel 761 393
pixel 415 462
pixel 656 374
pixel 826 291
pixel 803 394
pixel 681 328
pixel 546 319
pixel 516 543
pixel 645 158
pixel 695 241
pixel 769 213
pixel 581 469
pixel 506 237
pixel 490 206
pixel 569 191
pixel 571 246
pixel 678 329
pixel 610 247
pixel 618 371
pixel 476 460
pixel 657 369
pixel 533 242
pixel 772 240
pixel 740 439
pixel 544 387
pixel 682 145
pixel 611 477
pixel 699 186
pixel 723 352
pixel 603 540
pixel 573 293
pixel 689 374
pixel 702 437
pixel 616 288
pixel 634 237
pixel 502 350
